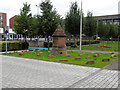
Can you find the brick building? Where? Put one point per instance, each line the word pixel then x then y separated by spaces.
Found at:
pixel 3 19
pixel 12 22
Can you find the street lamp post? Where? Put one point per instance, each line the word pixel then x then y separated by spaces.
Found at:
pixel 37 9
pixel 38 14
pixel 81 27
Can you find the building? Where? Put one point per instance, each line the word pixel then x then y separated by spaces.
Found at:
pixel 3 22
pixel 115 19
pixel 119 7
pixel 109 18
pixel 3 19
pixel 12 22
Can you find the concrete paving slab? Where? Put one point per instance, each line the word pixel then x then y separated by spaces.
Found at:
pixel 29 73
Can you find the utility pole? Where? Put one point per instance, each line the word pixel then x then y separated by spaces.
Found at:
pixel 37 15
pixel 81 27
pixel 37 9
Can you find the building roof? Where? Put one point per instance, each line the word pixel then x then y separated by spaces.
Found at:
pixel 115 16
pixel 13 16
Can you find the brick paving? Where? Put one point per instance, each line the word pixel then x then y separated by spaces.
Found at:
pixel 29 73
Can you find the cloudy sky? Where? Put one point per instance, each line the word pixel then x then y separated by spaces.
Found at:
pixel 98 7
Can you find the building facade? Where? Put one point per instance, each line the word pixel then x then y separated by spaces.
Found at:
pixel 119 7
pixel 115 19
pixel 12 22
pixel 3 19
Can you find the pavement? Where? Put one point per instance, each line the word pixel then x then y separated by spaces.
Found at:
pixel 114 66
pixel 30 73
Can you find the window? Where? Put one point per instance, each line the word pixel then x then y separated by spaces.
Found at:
pixel 1 21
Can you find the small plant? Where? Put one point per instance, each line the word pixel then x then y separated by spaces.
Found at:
pixel 10 52
pixel 20 54
pixel 74 45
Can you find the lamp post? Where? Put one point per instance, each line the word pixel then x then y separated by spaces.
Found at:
pixel 38 14
pixel 37 9
pixel 81 27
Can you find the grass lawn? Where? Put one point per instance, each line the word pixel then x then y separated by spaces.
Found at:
pixel 44 56
pixel 114 46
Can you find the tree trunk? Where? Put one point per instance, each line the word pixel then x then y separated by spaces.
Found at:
pixel 74 39
pixel 48 42
pixel 30 38
pixel 38 41
pixel 89 42
pixel 70 37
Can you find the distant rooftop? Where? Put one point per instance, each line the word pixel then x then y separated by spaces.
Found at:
pixel 114 16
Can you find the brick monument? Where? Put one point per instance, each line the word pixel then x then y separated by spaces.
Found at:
pixel 59 44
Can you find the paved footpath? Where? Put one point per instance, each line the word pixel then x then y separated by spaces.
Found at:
pixel 29 73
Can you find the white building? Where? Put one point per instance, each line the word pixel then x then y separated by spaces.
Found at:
pixel 10 31
pixel 119 7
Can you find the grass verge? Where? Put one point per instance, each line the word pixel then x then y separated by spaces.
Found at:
pixel 71 60
pixel 114 46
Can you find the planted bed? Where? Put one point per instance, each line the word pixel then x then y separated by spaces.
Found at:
pixel 76 58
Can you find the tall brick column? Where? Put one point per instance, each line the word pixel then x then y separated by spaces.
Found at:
pixel 59 44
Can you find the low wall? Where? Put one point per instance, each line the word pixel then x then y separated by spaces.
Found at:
pixel 35 43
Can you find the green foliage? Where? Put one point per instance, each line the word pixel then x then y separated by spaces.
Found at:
pixel 50 18
pixel 103 29
pixel 74 45
pixel 14 45
pixel 90 25
pixel 107 30
pixel 23 21
pixel 1 26
pixel 72 20
pixel 71 43
pixel 119 31
pixel 46 44
pixel 36 29
pixel 86 42
pixel 113 31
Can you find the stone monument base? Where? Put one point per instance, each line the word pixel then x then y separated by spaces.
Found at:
pixel 59 51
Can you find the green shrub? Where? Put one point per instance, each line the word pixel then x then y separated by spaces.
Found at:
pixel 71 43
pixel 14 45
pixel 74 45
pixel 46 44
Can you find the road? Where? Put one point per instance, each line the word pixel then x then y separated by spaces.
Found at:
pixel 29 73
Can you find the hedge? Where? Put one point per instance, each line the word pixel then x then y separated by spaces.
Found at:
pixel 69 43
pixel 14 45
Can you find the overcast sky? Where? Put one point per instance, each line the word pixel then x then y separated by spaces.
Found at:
pixel 98 7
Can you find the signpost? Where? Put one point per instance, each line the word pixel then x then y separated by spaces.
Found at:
pixel 6 29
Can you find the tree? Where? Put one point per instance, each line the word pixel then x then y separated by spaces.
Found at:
pixel 23 21
pixel 106 29
pixel 72 20
pixel 103 29
pixel 113 33
pixel 36 29
pixel 118 33
pixel 50 19
pixel 90 25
